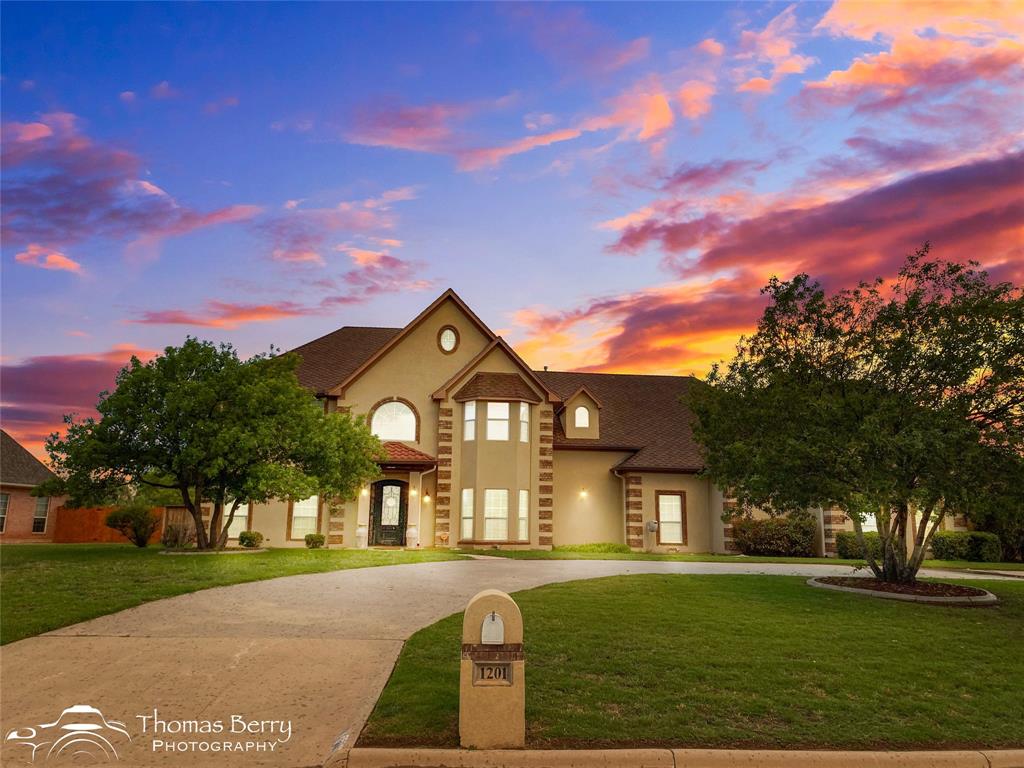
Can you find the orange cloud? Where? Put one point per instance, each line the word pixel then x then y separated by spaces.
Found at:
pixel 896 18
pixel 711 47
pixel 695 98
pixel 223 314
pixel 45 258
pixel 773 49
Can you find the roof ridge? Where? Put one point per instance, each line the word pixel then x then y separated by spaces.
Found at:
pixel 619 373
pixel 342 328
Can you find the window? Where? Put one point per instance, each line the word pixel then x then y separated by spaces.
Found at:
pixel 39 517
pixel 466 532
pixel 448 339
pixel 497 421
pixel 524 515
pixel 469 421
pixel 240 522
pixel 304 518
pixel 581 417
pixel 5 499
pixel 869 523
pixel 394 421
pixel 524 422
pixel 496 514
pixel 671 518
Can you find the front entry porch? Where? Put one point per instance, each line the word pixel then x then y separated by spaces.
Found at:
pixel 391 512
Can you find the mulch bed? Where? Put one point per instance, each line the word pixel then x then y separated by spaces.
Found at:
pixel 921 588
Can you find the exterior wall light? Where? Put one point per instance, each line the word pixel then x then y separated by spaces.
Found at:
pixel 364 492
pixel 583 493
pixel 426 498
pixel 412 491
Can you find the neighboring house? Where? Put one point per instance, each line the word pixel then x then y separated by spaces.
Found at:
pixel 483 451
pixel 23 517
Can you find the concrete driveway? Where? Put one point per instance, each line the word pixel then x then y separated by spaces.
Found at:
pixel 315 650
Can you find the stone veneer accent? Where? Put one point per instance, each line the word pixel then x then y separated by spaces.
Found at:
pixel 634 512
pixel 730 543
pixel 442 504
pixel 545 475
pixel 832 520
pixel 335 521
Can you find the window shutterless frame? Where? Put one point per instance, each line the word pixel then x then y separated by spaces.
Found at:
pixel 681 495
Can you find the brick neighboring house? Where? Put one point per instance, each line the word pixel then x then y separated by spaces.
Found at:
pixel 484 452
pixel 23 517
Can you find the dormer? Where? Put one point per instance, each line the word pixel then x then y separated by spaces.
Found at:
pixel 581 417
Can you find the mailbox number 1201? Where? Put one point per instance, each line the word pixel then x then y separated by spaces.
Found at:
pixel 493 674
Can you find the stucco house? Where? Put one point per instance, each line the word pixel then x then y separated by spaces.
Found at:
pixel 483 451
pixel 23 517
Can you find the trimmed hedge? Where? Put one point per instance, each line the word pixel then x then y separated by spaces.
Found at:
pixel 974 546
pixel 315 540
pixel 779 536
pixel 848 548
pixel 250 539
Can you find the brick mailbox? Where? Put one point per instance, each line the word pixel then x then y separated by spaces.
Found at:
pixel 492 680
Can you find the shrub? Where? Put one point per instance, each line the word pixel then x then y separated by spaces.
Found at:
pixel 178 537
pixel 780 536
pixel 315 540
pixel 250 539
pixel 848 548
pixel 135 521
pixel 975 546
pixel 603 548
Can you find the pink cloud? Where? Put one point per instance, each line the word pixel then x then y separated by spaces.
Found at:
pixel 163 90
pixel 36 255
pixel 574 43
pixel 770 54
pixel 127 96
pixel 38 391
pixel 424 128
pixel 219 105
pixel 711 47
pixel 61 187
pixel 223 314
pixel 695 98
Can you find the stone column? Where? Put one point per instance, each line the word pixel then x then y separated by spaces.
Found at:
pixel 634 512
pixel 729 505
pixel 833 520
pixel 443 500
pixel 546 478
pixel 335 521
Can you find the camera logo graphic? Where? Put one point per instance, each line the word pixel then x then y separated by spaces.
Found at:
pixel 80 733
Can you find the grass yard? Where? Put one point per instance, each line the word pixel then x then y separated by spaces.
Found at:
pixel 733 661
pixel 604 552
pixel 46 586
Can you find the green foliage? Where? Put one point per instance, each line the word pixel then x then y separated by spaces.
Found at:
pixel 315 540
pixel 250 539
pixel 601 548
pixel 211 427
pixel 890 396
pixel 849 548
pixel 178 537
pixel 974 546
pixel 135 521
pixel 791 536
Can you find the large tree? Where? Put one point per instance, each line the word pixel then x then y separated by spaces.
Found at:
pixel 899 399
pixel 217 430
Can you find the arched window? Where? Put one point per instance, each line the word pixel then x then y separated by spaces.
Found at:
pixel 582 417
pixel 394 420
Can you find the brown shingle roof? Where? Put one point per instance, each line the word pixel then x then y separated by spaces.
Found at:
pixel 639 413
pixel 400 453
pixel 329 360
pixel 497 386
pixel 18 466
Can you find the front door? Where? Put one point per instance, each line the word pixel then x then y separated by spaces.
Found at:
pixel 390 509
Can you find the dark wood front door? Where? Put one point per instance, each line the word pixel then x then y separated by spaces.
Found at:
pixel 389 512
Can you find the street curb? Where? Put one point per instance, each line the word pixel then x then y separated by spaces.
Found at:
pixel 670 758
pixel 987 599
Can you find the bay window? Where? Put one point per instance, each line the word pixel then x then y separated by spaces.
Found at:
pixel 524 515
pixel 496 514
pixel 466 531
pixel 524 422
pixel 469 421
pixel 497 421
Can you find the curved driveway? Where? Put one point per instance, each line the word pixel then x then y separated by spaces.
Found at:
pixel 314 649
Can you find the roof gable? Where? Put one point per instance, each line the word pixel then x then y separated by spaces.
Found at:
pixel 335 356
pixel 18 466
pixel 497 344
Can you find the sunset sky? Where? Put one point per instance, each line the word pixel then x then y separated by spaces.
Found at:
pixel 608 185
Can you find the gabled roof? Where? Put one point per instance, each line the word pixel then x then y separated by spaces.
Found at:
pixel 332 358
pixel 644 414
pixel 497 386
pixel 497 343
pixel 584 391
pixel 448 295
pixel 18 466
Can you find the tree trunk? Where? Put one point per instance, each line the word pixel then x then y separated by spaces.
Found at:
pixel 222 541
pixel 196 510
pixel 215 528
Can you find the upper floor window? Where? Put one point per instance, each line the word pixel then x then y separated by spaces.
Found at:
pixel 448 339
pixel 394 421
pixel 469 420
pixel 581 417
pixel 39 518
pixel 524 422
pixel 497 421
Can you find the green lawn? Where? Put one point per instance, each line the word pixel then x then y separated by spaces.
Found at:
pixel 46 586
pixel 585 553
pixel 737 661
